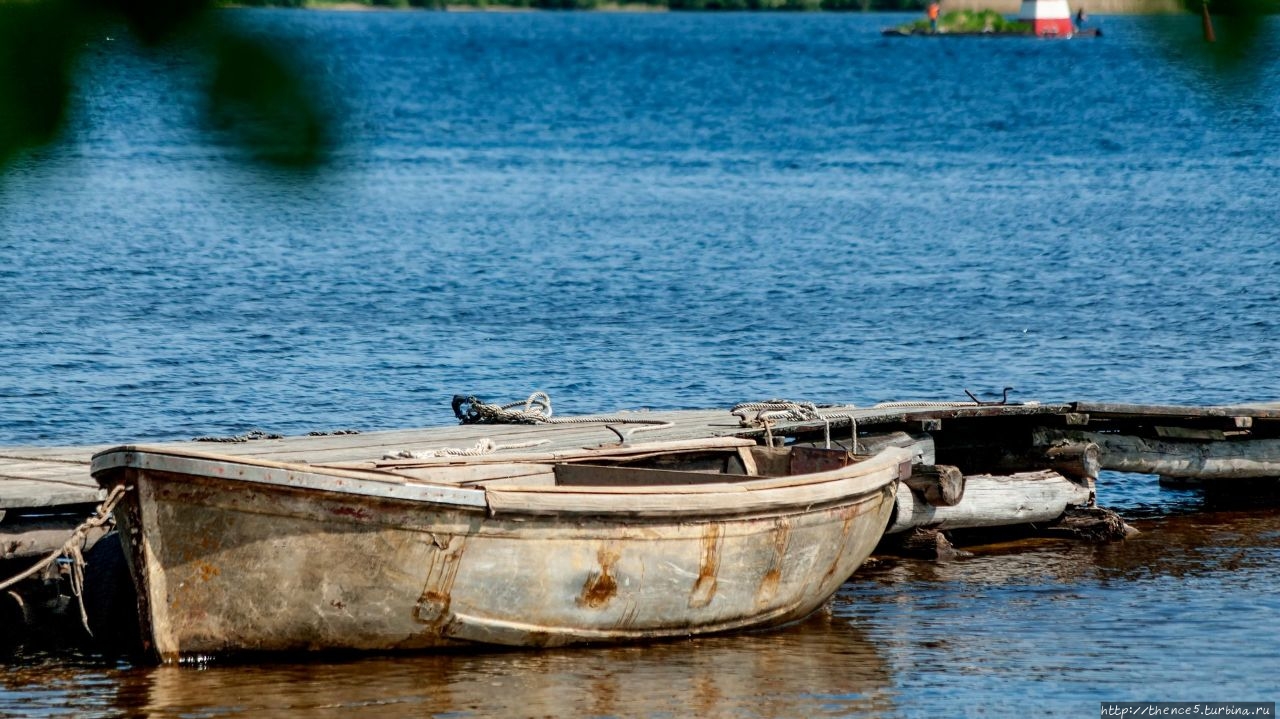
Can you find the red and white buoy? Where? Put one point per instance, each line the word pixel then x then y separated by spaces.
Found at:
pixel 1049 18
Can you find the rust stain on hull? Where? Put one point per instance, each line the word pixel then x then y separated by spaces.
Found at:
pixel 601 586
pixel 772 577
pixel 704 590
pixel 433 605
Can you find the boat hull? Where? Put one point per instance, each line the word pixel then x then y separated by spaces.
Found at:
pixel 227 566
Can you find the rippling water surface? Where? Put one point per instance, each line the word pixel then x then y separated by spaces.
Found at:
pixel 686 211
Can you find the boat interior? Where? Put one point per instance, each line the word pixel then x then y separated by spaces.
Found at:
pixel 656 469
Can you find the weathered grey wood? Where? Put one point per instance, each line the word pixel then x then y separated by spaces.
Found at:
pixel 1200 433
pixel 29 540
pixel 1259 411
pixel 1187 459
pixel 920 543
pixel 1077 460
pixel 1080 461
pixel 27 494
pixel 20 465
pixel 941 485
pixel 1091 524
pixel 993 501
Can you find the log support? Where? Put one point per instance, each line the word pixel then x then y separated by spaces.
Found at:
pixel 939 485
pixel 992 501
pixel 1177 458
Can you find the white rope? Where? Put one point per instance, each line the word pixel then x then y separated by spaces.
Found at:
pixel 481 448
pixel 536 409
pixel 757 414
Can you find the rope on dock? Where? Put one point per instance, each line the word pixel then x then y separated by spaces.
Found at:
pixel 246 437
pixel 469 409
pixel 769 412
pixel 483 447
pixel 73 549
pixel 922 405
pixel 774 410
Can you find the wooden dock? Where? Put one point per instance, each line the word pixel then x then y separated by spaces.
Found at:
pixel 976 466
pixel 1178 443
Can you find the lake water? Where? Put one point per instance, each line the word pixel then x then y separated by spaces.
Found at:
pixel 673 211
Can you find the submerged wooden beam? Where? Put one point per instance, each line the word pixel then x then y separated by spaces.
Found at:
pixel 993 501
pixel 1183 459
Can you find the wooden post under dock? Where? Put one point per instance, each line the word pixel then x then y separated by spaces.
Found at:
pixel 976 465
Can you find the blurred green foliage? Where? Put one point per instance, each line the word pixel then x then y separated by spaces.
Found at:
pixel 255 96
pixel 38 46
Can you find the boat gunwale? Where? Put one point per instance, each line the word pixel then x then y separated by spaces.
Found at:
pixel 764 493
pixel 295 476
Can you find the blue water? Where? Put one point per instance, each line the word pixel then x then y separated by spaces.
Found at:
pixel 669 211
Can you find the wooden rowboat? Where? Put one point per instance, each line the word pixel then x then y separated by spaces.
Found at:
pixel 659 540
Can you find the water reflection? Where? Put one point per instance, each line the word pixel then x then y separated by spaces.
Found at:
pixel 822 667
pixel 1184 611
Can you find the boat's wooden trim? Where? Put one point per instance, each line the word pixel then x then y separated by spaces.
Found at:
pixel 780 494
pixel 282 474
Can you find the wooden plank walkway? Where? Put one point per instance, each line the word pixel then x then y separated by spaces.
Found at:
pixel 32 478
pixel 35 477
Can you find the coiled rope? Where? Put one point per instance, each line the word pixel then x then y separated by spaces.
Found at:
pixel 469 409
pixel 768 413
pixel 535 409
pixel 73 549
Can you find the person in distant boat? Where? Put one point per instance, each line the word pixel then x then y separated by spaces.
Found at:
pixel 1081 17
pixel 933 16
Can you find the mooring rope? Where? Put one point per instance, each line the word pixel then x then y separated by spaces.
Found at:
pixel 250 436
pixel 73 549
pixel 469 409
pixel 483 447
pixel 769 412
pixel 772 410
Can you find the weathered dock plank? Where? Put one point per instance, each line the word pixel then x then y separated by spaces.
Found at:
pixel 48 476
pixel 28 484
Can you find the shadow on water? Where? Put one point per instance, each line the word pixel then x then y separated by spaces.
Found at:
pixel 824 666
